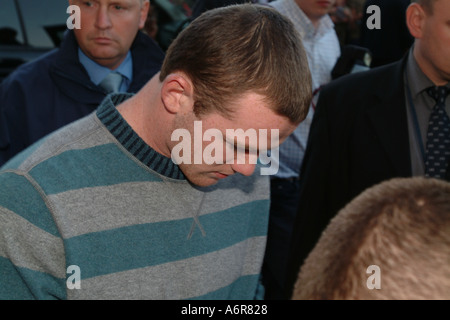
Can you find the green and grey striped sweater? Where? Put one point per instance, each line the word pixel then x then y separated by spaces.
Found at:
pixel 95 197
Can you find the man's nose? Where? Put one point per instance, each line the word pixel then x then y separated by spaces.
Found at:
pixel 103 20
pixel 245 169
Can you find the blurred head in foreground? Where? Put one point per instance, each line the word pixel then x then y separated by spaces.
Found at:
pixel 391 242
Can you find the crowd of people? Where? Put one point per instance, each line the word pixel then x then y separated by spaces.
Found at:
pixel 88 176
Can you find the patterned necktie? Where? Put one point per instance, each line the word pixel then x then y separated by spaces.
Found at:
pixel 438 137
pixel 112 82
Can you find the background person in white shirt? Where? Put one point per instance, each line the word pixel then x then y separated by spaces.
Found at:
pixel 312 21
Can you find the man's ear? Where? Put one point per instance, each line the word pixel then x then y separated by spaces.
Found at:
pixel 415 18
pixel 177 93
pixel 144 13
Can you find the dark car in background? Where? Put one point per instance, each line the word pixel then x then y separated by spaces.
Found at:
pixel 29 28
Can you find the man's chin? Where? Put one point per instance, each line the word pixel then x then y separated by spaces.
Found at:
pixel 106 57
pixel 203 181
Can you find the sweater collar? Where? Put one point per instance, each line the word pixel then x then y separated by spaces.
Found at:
pixel 128 138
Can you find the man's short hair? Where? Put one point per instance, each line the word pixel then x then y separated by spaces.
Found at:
pixel 426 4
pixel 248 47
pixel 402 226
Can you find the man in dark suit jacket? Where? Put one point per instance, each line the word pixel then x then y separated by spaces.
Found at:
pixel 372 126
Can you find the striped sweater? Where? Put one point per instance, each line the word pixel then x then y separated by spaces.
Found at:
pixel 92 212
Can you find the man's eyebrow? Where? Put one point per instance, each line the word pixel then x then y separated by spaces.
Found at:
pixel 247 148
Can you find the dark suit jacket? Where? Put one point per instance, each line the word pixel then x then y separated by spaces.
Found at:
pixel 358 138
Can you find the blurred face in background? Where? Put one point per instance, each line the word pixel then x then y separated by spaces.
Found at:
pixel 431 28
pixel 108 28
pixel 315 9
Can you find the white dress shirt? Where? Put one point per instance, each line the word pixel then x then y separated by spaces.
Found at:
pixel 322 48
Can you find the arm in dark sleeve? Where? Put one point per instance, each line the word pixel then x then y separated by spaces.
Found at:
pixel 313 210
pixel 4 135
pixel 12 119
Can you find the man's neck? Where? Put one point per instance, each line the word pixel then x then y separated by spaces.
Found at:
pixel 315 21
pixel 145 115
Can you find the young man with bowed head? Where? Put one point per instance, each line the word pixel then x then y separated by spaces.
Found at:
pixel 384 123
pixel 311 19
pixel 102 197
pixel 68 83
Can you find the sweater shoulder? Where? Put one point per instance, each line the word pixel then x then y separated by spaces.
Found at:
pixel 81 134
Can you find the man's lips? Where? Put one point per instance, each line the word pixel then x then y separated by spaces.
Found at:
pixel 220 175
pixel 102 40
pixel 324 4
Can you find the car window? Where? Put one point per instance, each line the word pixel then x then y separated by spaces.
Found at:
pixel 30 22
pixel 44 19
pixel 10 30
pixel 28 29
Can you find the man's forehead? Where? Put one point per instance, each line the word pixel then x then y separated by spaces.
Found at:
pixel 251 139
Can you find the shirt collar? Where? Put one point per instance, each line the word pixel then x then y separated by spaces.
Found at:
pixel 417 80
pixel 97 72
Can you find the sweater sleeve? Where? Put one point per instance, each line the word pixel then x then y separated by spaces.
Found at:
pixel 32 263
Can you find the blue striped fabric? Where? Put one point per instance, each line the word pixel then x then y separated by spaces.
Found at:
pixel 130 251
pixel 95 196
